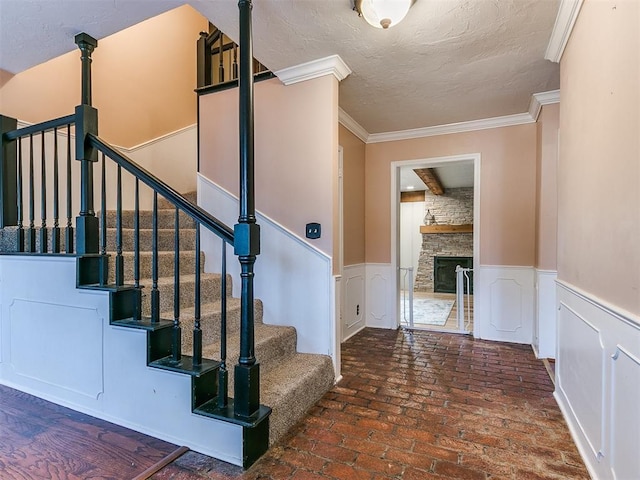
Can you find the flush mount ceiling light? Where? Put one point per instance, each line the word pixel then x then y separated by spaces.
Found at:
pixel 383 13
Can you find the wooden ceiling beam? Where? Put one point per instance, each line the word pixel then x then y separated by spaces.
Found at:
pixel 430 179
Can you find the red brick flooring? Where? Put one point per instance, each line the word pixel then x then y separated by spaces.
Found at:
pixel 420 406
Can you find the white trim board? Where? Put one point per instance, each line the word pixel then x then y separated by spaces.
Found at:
pixel 475 159
pixel 331 65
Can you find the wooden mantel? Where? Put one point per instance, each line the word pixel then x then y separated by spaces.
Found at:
pixel 466 228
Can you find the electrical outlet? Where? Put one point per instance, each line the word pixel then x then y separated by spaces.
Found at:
pixel 313 230
pixel 357 309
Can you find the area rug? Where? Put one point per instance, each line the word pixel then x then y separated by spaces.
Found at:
pixel 429 311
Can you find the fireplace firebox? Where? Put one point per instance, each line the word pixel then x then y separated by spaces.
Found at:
pixel 444 273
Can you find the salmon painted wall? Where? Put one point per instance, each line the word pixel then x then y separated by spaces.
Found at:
pixel 599 166
pixel 353 169
pixel 547 188
pixel 507 195
pixel 296 151
pixel 143 81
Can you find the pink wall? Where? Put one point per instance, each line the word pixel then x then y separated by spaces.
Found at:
pixel 143 81
pixel 599 167
pixel 547 188
pixel 296 145
pixel 353 196
pixel 508 188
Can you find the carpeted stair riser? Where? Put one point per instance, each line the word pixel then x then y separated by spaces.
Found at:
pixel 165 239
pixel 166 219
pixel 9 236
pixel 165 264
pixel 210 320
pixel 209 291
pixel 292 387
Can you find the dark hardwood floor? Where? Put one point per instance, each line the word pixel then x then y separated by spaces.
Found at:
pixel 40 440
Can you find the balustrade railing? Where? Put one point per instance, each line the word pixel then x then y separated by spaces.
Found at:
pixel 19 175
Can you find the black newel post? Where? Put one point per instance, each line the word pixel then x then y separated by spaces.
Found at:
pixel 247 232
pixel 87 237
pixel 8 174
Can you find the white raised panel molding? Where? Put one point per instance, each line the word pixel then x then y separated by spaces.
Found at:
pixel 293 279
pixel 503 303
pixel 353 315
pixel 625 428
pixel 546 313
pixel 41 348
pixel 598 381
pixel 380 289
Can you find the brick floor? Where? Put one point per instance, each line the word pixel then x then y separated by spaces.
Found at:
pixel 418 406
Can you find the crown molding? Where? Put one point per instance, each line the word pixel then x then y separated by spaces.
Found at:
pixel 565 20
pixel 460 127
pixel 540 99
pixel 332 65
pixel 354 127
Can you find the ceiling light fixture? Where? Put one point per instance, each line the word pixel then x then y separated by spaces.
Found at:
pixel 382 13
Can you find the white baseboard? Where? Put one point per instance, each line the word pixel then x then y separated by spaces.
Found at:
pixel 598 382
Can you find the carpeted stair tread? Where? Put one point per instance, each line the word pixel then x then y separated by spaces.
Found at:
pixel 165 239
pixel 293 386
pixel 210 286
pixel 210 320
pixel 165 264
pixel 164 203
pixel 166 219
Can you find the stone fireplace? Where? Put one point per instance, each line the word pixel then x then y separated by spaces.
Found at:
pixel 454 208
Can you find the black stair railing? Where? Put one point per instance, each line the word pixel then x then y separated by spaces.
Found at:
pixel 217 58
pixel 90 243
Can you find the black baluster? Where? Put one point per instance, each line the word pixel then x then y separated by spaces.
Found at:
pixel 136 236
pixel 155 293
pixel 223 374
pixel 177 331
pixel 43 198
pixel 104 277
pixel 119 257
pixel 197 332
pixel 234 68
pixel 68 231
pixel 31 231
pixel 55 232
pixel 103 209
pixel 20 238
pixel 221 59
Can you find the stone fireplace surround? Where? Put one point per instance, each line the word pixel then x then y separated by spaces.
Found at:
pixel 455 207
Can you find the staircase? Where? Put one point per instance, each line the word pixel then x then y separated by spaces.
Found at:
pixel 291 382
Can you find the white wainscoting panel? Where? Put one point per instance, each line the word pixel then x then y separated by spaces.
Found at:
pixel 293 279
pixel 598 382
pixel 353 314
pixel 503 303
pixel 381 290
pixel 546 314
pixel 625 426
pixel 66 352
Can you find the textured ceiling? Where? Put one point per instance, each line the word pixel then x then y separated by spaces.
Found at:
pixel 451 175
pixel 448 61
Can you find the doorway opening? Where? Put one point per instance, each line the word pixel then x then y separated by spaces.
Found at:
pixel 436 205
